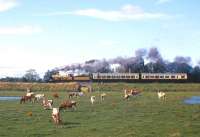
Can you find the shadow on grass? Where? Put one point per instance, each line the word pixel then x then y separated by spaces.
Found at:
pixel 69 125
pixel 39 135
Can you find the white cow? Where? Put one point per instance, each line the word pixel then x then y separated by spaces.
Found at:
pixel 92 99
pixel 39 97
pixel 103 95
pixel 161 95
pixel 56 115
pixel 30 94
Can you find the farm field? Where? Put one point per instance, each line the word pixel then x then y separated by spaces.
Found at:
pixel 141 116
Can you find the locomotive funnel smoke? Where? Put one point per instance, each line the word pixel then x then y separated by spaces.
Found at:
pixel 154 55
pixel 180 59
pixel 135 63
pixel 118 60
pixel 140 53
pixel 96 66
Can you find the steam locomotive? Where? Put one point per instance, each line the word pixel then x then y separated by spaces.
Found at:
pixel 124 77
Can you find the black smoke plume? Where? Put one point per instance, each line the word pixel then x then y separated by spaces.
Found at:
pixel 136 63
pixel 180 59
pixel 154 55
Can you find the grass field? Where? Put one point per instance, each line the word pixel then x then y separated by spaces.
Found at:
pixel 141 116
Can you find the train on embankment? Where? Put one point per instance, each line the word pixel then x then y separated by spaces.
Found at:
pixel 123 77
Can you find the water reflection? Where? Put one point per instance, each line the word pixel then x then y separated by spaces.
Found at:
pixel 193 100
pixel 9 98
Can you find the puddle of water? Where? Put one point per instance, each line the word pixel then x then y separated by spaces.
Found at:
pixel 9 98
pixel 193 100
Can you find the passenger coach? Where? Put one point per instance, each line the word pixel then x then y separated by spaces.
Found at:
pixel 164 76
pixel 115 76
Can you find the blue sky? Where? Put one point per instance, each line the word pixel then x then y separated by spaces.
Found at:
pixel 45 34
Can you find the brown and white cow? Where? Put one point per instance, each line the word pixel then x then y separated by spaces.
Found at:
pixel 56 116
pixel 68 104
pixel 129 93
pixel 47 104
pixel 73 94
pixel 26 98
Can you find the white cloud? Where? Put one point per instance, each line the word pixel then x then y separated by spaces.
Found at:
pixel 21 30
pixel 163 1
pixel 7 5
pixel 125 13
pixel 16 60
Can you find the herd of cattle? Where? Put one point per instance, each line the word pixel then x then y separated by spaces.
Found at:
pixel 48 104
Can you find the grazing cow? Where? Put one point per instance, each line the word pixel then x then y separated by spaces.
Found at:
pixel 103 95
pixel 47 104
pixel 25 98
pixel 161 95
pixel 135 92
pixel 30 94
pixel 92 99
pixel 38 97
pixel 126 95
pixel 73 94
pixel 56 116
pixel 129 93
pixel 68 104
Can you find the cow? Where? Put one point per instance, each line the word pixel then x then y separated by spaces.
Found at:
pixel 135 92
pixel 25 98
pixel 47 104
pixel 161 95
pixel 39 97
pixel 68 104
pixel 103 95
pixel 129 93
pixel 73 94
pixel 92 99
pixel 56 116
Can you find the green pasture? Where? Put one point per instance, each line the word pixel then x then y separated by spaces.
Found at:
pixel 141 116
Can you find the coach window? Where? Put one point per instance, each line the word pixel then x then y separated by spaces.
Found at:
pixel 161 76
pixel 172 76
pixel 166 76
pixel 182 76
